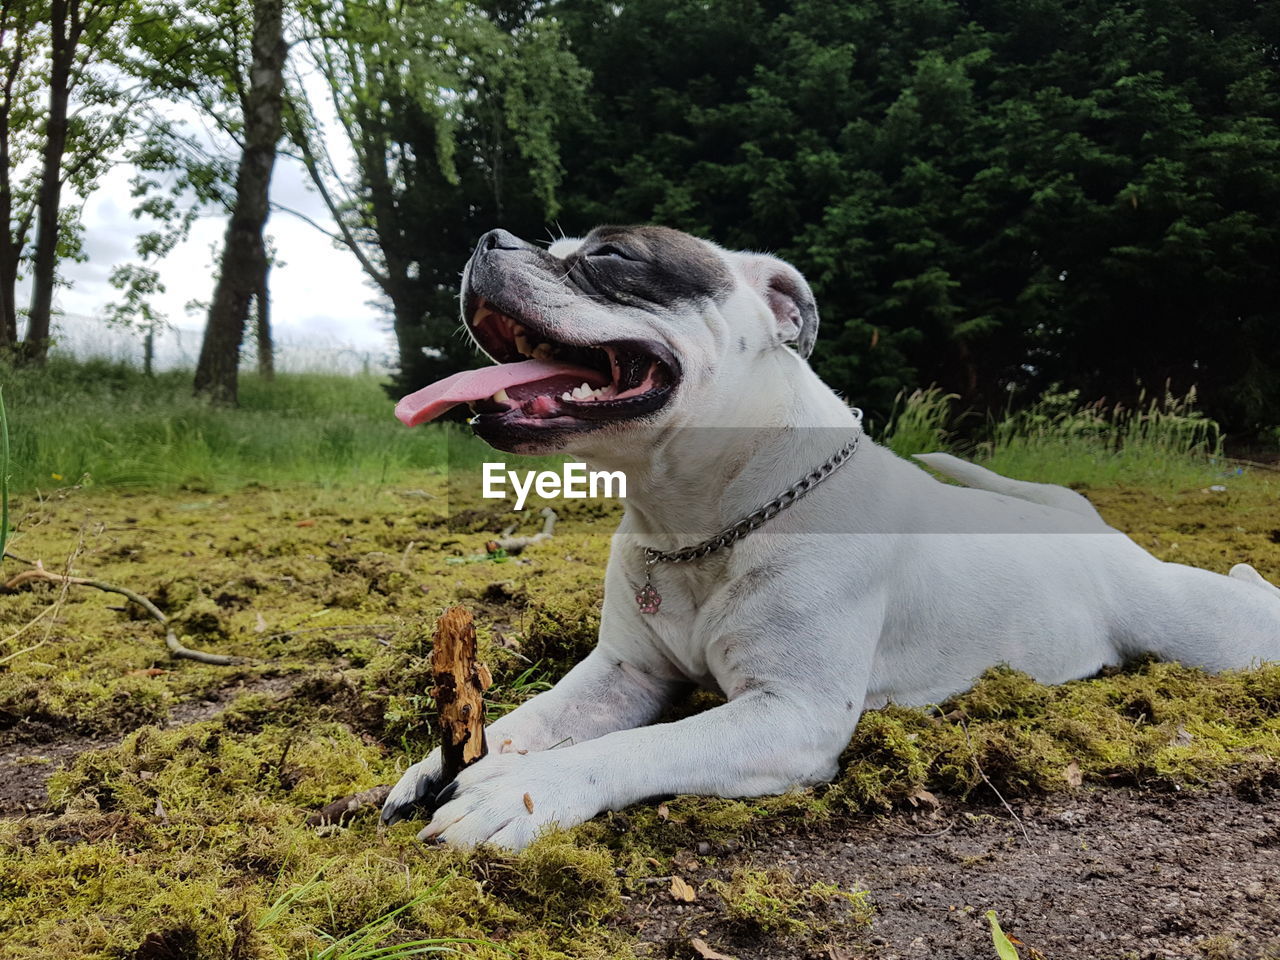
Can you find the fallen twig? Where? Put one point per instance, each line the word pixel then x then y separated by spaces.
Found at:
pixel 973 754
pixel 514 545
pixel 340 811
pixel 38 574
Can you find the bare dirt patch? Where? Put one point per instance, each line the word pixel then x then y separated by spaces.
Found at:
pixel 1111 873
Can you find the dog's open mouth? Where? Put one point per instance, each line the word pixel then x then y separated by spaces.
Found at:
pixel 541 381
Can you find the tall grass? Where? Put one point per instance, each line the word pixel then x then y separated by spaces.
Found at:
pixel 1161 440
pixel 919 421
pixel 109 425
pixel 106 424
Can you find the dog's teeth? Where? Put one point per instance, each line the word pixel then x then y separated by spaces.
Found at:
pixel 542 351
pixel 522 344
pixel 516 328
pixel 501 397
pixel 566 395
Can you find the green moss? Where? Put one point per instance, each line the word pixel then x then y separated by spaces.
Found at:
pixel 191 836
pixel 772 901
pixel 762 901
pixel 557 878
pixel 194 837
pixel 1156 724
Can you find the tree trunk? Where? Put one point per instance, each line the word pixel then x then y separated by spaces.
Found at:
pixel 406 324
pixel 238 279
pixel 12 240
pixel 262 303
pixel 65 30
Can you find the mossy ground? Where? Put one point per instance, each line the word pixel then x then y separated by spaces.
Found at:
pixel 189 840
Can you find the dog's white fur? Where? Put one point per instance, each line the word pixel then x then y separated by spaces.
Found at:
pixel 909 601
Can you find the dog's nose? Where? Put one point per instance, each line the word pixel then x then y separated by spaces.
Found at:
pixel 501 240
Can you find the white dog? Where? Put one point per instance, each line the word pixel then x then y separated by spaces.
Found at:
pixel 684 364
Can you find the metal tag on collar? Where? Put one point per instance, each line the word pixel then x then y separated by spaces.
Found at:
pixel 647 597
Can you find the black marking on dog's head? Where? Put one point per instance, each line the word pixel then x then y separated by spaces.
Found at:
pixel 648 267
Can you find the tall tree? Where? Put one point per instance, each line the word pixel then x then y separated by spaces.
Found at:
pixel 83 35
pixel 451 114
pixel 242 274
pixel 17 115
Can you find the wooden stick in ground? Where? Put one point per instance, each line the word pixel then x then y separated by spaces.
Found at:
pixel 460 683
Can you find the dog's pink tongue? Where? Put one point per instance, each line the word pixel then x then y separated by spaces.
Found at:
pixel 429 402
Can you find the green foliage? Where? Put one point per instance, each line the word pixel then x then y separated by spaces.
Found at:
pixel 1004 949
pixel 990 197
pixel 65 110
pixel 459 132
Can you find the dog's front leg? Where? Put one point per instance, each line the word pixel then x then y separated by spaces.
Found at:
pixel 603 693
pixel 764 741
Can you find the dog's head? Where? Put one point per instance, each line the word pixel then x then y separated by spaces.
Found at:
pixel 626 327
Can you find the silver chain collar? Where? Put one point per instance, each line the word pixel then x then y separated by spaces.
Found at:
pixel 648 597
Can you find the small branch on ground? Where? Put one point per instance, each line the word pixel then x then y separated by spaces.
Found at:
pixel 973 754
pixel 514 545
pixel 38 574
pixel 460 683
pixel 340 811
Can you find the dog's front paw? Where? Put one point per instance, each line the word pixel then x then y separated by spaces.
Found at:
pixel 508 799
pixel 417 788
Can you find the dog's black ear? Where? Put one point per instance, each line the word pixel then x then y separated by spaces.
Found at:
pixel 787 293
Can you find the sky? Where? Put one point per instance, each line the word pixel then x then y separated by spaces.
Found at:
pixel 319 294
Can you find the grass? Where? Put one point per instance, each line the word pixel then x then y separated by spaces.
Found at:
pixel 107 425
pixel 919 422
pixel 369 941
pixel 4 476
pixel 1161 441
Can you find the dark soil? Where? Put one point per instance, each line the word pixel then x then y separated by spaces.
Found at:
pixel 1105 874
pixel 28 760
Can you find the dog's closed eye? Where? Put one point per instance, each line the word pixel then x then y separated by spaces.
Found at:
pixel 611 251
